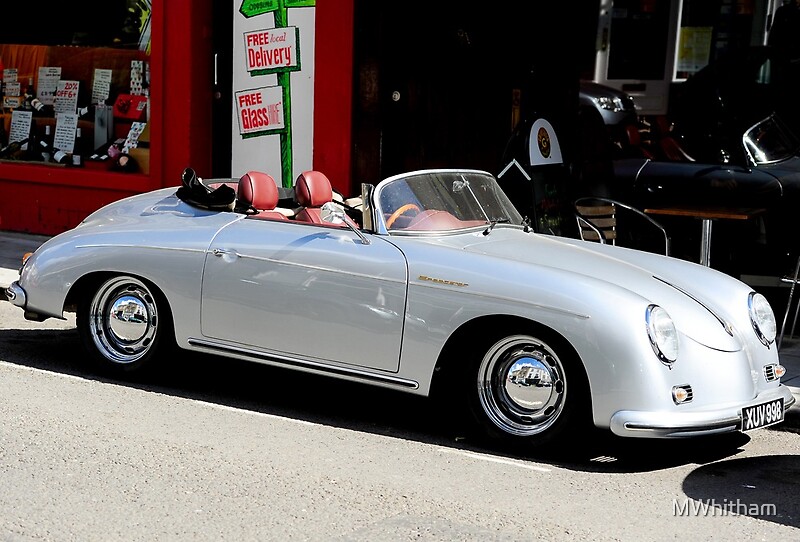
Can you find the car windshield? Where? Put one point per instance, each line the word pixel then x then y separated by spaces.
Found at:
pixel 770 141
pixel 444 200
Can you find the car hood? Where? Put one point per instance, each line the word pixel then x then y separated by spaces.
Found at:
pixel 698 298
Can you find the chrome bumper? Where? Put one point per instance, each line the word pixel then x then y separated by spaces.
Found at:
pixel 629 423
pixel 16 295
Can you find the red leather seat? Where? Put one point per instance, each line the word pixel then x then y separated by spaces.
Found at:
pixel 259 192
pixel 312 190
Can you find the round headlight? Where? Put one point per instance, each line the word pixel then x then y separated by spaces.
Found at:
pixel 762 318
pixel 662 334
pixel 610 104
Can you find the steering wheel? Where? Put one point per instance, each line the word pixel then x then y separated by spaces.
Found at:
pixel 400 211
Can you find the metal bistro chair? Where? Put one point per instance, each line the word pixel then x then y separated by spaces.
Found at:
pixel 793 280
pixel 599 220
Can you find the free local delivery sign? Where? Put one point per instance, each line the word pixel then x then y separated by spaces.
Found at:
pixel 260 111
pixel 272 50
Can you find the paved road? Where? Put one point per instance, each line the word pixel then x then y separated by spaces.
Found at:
pixel 221 450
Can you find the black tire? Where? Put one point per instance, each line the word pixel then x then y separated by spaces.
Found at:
pixel 528 391
pixel 123 323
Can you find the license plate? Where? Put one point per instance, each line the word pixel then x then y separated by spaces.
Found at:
pixel 762 415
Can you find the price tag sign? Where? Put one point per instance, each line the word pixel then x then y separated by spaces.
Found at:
pixel 20 126
pixel 101 86
pixel 67 96
pixel 66 126
pixel 13 89
pixel 48 84
pixel 9 75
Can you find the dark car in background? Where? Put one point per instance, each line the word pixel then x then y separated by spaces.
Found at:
pixel 615 107
pixel 731 142
pixel 711 110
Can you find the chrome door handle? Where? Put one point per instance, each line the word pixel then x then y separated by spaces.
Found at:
pixel 219 252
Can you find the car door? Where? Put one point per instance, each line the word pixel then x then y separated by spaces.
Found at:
pixel 308 291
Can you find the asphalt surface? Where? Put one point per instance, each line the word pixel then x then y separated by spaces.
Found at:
pixel 14 245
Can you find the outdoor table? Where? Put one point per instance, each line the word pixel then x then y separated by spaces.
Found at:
pixel 707 215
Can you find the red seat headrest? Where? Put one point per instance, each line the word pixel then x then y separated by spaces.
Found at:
pixel 312 189
pixel 259 190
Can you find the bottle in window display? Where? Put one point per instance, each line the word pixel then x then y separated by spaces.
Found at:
pixel 39 109
pixel 29 91
pixel 32 103
pixel 51 153
pixel 2 67
pixel 45 144
pixel 59 156
pixel 77 154
pixel 32 152
pixel 13 149
pixel 28 95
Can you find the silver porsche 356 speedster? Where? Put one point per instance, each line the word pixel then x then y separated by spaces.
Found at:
pixel 443 287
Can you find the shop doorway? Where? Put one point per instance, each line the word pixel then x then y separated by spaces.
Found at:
pixel 444 85
pixel 222 98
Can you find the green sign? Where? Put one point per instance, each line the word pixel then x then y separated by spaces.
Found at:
pixel 251 8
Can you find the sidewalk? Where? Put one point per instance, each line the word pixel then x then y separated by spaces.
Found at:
pixel 14 245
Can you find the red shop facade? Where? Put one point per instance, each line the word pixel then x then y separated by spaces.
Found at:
pixel 144 87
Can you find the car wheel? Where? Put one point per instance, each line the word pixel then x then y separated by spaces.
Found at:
pixel 526 390
pixel 122 323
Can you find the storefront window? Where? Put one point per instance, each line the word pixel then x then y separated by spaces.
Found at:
pixel 75 86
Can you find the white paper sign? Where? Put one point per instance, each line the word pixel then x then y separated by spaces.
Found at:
pixel 66 126
pixel 67 97
pixel 101 86
pixel 9 75
pixel 13 88
pixel 48 84
pixel 20 126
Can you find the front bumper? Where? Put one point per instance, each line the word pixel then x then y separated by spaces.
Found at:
pixel 16 295
pixel 629 423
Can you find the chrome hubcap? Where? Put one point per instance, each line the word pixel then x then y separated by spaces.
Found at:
pixel 521 385
pixel 123 319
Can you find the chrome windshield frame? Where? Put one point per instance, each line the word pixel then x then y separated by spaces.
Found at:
pixel 378 213
pixel 771 128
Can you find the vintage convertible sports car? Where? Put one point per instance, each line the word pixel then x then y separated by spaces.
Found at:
pixel 440 288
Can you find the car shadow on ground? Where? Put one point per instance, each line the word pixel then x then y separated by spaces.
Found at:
pixel 304 396
pixel 763 487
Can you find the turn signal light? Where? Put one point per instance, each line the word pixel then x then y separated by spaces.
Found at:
pixel 682 394
pixel 780 370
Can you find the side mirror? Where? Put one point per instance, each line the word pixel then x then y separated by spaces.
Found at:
pixel 330 213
